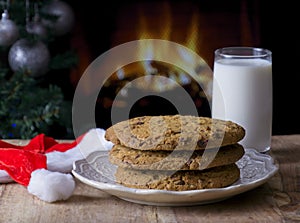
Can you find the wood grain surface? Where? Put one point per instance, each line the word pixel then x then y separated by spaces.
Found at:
pixel 278 200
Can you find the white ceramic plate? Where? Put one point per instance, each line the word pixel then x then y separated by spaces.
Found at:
pixel 98 172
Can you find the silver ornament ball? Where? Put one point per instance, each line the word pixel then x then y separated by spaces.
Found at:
pixel 37 28
pixel 31 57
pixel 9 31
pixel 65 17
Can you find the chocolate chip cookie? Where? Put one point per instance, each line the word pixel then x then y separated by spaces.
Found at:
pixel 170 132
pixel 177 160
pixel 216 177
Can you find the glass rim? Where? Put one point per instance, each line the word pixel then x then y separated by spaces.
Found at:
pixel 243 52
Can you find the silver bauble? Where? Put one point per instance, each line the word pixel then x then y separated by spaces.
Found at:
pixel 9 31
pixel 31 57
pixel 65 17
pixel 36 27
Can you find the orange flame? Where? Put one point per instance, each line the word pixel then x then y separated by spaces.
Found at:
pixel 162 24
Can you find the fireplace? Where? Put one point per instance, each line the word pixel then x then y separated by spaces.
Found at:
pixel 201 26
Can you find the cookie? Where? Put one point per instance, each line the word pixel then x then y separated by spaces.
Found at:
pixel 166 160
pixel 217 177
pixel 174 132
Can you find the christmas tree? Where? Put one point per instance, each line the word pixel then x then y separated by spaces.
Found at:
pixel 34 61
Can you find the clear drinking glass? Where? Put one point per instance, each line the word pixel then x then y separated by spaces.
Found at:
pixel 242 92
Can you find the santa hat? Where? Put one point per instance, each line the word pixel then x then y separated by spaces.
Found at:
pixel 44 165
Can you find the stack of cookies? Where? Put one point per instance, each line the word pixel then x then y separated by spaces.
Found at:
pixel 176 152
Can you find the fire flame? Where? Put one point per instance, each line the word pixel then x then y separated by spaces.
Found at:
pixel 191 38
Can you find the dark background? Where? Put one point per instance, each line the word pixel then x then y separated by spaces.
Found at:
pixel 273 24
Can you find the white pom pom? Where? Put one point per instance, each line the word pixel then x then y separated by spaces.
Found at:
pixel 51 186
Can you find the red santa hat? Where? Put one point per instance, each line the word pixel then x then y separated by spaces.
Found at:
pixel 44 165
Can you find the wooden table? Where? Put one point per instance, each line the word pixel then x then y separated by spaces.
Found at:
pixel 278 200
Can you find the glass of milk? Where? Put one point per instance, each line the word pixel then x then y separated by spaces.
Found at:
pixel 242 92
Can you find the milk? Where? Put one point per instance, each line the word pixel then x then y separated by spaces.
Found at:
pixel 242 92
